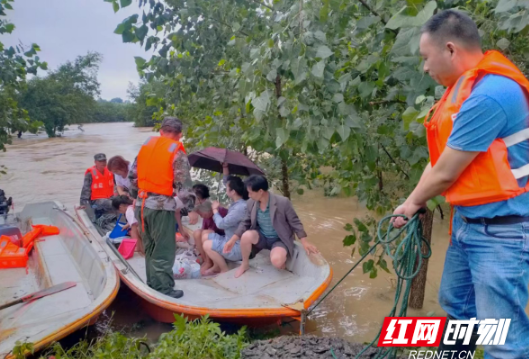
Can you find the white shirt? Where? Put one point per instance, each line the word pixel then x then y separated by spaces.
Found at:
pixel 129 215
pixel 123 182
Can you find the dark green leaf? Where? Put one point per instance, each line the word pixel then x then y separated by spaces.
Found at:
pixel 367 266
pixel 373 273
pixel 141 32
pixel 125 3
pixel 384 265
pixel 115 6
pixel 140 61
pixel 121 28
pixel 349 240
pixel 360 225
pixel 128 36
pixel 348 227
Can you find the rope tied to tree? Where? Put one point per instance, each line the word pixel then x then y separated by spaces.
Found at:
pixel 405 247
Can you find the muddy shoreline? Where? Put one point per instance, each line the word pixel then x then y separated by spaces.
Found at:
pixel 309 347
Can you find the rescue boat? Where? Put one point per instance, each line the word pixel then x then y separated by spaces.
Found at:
pixel 262 296
pixel 73 255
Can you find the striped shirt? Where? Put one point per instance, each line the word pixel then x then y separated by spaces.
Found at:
pixel 265 222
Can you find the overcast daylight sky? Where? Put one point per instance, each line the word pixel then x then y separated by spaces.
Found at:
pixel 65 29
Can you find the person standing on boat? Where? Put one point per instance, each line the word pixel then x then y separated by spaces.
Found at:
pixel 98 188
pixel 477 139
pixel 270 223
pixel 161 168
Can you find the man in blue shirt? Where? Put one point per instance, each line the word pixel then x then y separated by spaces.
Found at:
pixel 486 273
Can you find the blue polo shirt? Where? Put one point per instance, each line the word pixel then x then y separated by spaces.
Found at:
pixel 496 108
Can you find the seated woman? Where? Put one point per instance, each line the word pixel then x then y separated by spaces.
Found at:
pixel 120 168
pixel 125 205
pixel 205 211
pixel 236 191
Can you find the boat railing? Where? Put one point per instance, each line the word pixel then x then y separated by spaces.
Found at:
pixel 128 267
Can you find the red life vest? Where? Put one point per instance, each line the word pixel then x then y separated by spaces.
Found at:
pixel 489 177
pixel 102 184
pixel 155 165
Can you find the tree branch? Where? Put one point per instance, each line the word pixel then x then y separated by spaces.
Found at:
pixel 372 11
pixel 262 4
pixel 395 162
pixel 381 102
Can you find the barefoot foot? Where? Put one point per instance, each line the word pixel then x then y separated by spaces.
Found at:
pixel 211 271
pixel 240 271
pixel 205 267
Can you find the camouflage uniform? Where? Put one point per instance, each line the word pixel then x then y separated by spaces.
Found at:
pixel 157 222
pixel 99 209
pixel 182 183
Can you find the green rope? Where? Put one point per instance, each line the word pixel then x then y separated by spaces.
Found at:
pixel 407 256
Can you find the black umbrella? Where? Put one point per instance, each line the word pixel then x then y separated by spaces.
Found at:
pixel 211 158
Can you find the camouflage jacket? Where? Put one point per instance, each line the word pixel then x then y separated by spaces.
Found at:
pixel 86 191
pixel 182 184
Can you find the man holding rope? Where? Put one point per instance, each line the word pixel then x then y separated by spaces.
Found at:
pixel 477 137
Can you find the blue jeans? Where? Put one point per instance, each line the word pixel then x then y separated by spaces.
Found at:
pixel 486 275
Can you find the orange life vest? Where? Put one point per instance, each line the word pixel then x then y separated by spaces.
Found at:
pixel 102 184
pixel 489 177
pixel 155 165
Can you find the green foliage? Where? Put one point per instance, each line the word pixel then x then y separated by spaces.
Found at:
pixel 311 83
pixel 111 111
pixel 15 63
pixel 144 106
pixel 65 96
pixel 199 339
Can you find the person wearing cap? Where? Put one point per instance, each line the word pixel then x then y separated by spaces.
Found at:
pixel 98 188
pixel 160 171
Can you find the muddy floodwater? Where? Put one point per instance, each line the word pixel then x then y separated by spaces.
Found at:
pixel 41 169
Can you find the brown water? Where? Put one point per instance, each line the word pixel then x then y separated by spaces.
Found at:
pixel 42 169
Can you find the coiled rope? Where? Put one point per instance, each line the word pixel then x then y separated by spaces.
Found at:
pixel 405 247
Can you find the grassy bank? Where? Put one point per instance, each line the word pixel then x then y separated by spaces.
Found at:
pixel 199 339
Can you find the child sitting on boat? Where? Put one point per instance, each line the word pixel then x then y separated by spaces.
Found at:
pixel 125 205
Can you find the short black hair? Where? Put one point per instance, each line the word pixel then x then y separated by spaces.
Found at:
pixel 256 182
pixel 451 25
pixel 201 190
pixel 119 200
pixel 236 184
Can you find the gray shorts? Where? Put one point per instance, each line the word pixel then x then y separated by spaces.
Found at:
pixel 267 243
pixel 218 245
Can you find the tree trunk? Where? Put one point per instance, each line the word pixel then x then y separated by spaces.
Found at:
pixel 284 165
pixel 418 286
pixel 284 179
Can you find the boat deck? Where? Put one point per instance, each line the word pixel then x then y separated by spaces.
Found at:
pixel 262 286
pixel 56 259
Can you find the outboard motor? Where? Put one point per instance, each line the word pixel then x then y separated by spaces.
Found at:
pixel 5 203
